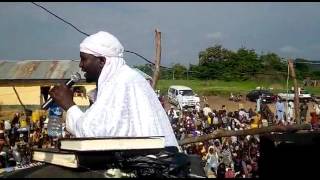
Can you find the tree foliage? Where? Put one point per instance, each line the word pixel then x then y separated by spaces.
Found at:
pixel 219 63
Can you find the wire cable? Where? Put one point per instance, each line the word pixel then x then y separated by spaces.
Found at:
pixel 88 34
pixel 144 58
pixel 306 62
pixel 60 18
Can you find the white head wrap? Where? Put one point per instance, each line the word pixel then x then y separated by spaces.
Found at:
pixel 104 44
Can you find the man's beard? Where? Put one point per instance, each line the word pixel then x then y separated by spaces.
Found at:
pixel 89 79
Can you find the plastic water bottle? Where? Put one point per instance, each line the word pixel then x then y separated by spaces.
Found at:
pixel 55 121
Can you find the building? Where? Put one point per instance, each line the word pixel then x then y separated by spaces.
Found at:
pixel 30 81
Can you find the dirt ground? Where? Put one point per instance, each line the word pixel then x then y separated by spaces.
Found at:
pixel 216 102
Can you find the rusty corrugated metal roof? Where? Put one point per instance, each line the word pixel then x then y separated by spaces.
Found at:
pixel 38 69
pixel 43 69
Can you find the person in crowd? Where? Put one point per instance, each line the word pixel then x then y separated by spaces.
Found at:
pixel 280 110
pixel 290 113
pixel 207 110
pixel 221 171
pixel 212 160
pixel 314 120
pixel 258 104
pixel 303 111
pixel 316 107
pixel 256 120
pixel 172 114
pixel 198 107
pixel 125 103
pixel 13 136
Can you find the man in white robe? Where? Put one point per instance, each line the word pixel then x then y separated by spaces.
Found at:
pixel 290 111
pixel 125 103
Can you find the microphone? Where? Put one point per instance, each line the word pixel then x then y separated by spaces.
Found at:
pixel 74 78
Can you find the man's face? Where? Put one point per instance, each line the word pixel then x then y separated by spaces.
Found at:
pixel 91 66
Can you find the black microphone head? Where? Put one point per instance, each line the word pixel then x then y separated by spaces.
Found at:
pixel 75 77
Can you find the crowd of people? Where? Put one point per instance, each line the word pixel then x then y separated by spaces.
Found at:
pixel 21 133
pixel 285 112
pixel 231 156
pixel 222 157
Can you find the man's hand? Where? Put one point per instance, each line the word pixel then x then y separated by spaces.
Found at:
pixel 63 96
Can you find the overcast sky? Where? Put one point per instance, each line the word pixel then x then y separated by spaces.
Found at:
pixel 288 29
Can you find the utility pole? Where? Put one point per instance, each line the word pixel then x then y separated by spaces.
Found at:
pixel 187 74
pixel 172 74
pixel 296 94
pixel 188 71
pixel 156 72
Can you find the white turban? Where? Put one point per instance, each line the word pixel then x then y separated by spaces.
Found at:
pixel 104 44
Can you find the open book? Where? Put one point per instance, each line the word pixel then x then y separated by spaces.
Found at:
pixel 112 143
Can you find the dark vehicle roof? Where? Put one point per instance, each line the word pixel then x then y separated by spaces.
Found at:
pixel 256 93
pixel 260 91
pixel 266 92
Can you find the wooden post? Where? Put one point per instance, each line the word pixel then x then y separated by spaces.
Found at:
pixel 41 97
pixel 156 73
pixel 187 74
pixel 15 91
pixel 296 93
pixel 172 74
pixel 255 131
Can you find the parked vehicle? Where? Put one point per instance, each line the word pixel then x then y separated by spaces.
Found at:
pixel 303 95
pixel 267 96
pixel 182 96
pixel 316 99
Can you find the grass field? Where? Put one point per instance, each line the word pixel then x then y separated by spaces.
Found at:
pixel 223 88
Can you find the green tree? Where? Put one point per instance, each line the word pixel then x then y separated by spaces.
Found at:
pixel 146 68
pixel 220 63
pixel 315 75
pixel 165 73
pixel 302 69
pixel 273 67
pixel 272 62
pixel 179 71
pixel 215 53
pixel 244 64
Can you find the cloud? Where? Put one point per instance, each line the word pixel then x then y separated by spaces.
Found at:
pixel 214 35
pixel 289 49
pixel 315 47
pixel 188 27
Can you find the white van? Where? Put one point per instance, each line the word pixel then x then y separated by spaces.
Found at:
pixel 182 96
